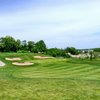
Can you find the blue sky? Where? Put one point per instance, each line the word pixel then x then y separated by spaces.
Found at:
pixel 60 23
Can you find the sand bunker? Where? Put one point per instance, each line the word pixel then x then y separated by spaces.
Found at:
pixel 13 59
pixel 22 63
pixel 42 57
pixel 2 64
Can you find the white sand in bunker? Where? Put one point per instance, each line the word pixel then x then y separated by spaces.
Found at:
pixel 22 63
pixel 13 59
pixel 42 57
pixel 2 64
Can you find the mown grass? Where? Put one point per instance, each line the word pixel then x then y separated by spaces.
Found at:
pixel 49 79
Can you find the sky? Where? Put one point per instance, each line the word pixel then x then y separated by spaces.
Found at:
pixel 60 23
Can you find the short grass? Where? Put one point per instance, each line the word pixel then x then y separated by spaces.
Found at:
pixel 49 79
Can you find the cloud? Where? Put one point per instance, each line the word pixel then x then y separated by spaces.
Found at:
pixel 56 21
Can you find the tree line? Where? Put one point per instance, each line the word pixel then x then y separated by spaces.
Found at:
pixel 9 44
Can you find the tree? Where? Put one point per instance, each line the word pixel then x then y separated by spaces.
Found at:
pixel 24 45
pixel 1 47
pixel 91 54
pixel 40 46
pixel 55 52
pixel 8 44
pixel 71 50
pixel 18 44
pixel 96 49
pixel 31 45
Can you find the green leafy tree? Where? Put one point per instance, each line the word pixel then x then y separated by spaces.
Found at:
pixel 24 45
pixel 71 50
pixel 31 45
pixel 91 54
pixel 96 49
pixel 55 52
pixel 40 46
pixel 18 44
pixel 8 44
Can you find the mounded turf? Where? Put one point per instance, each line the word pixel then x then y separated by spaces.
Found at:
pixel 49 79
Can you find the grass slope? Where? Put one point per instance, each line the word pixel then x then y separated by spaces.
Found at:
pixel 49 79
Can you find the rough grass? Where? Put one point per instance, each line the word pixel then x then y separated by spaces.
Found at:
pixel 49 79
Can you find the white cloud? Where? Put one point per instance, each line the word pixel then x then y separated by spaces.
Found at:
pixel 73 21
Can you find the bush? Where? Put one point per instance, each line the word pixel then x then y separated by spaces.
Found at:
pixel 57 52
pixel 71 50
pixel 22 51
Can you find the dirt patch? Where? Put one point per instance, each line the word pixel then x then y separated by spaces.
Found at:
pixel 42 57
pixel 2 64
pixel 13 59
pixel 22 63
